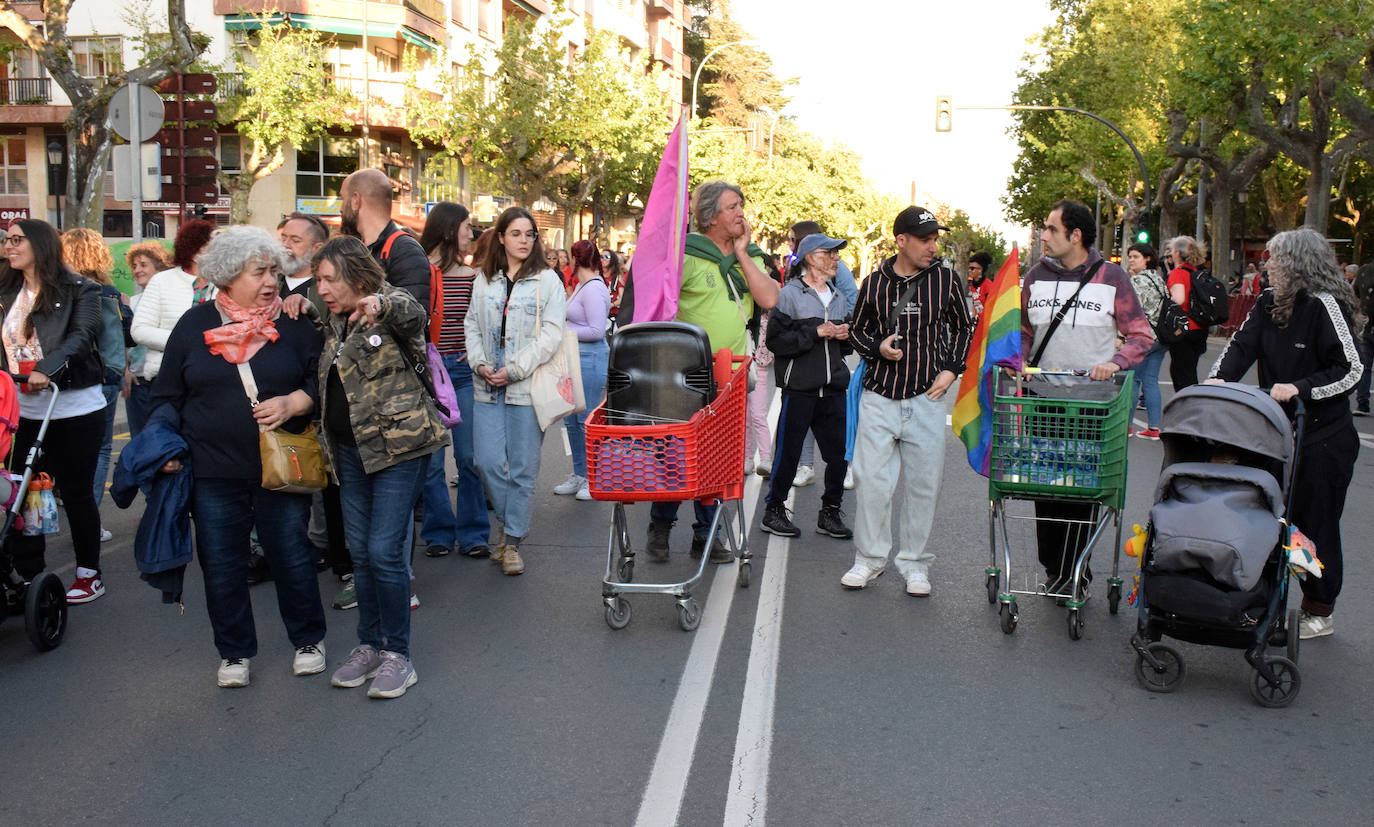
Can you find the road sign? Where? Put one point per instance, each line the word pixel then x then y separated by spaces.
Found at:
pixel 195 193
pixel 192 110
pixel 199 83
pixel 202 137
pixel 149 171
pixel 122 112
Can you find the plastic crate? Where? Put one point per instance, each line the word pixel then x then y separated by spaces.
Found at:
pixel 1061 437
pixel 700 459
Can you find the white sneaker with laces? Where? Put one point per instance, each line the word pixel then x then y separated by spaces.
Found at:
pixel 918 585
pixel 1310 626
pixel 849 479
pixel 233 672
pixel 859 576
pixel 309 659
pixel 570 485
pixel 585 492
pixel 806 475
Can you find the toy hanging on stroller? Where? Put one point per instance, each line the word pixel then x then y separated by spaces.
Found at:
pixel 1215 565
pixel 42 599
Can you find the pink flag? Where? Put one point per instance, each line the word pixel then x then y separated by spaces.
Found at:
pixel 657 265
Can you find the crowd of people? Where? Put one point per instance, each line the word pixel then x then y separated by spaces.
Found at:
pixel 241 331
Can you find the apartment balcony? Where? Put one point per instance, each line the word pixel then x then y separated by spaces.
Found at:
pixel 26 91
pixel 660 8
pixel 385 18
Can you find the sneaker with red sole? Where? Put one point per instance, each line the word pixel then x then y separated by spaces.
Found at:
pixel 86 587
pixel 1149 433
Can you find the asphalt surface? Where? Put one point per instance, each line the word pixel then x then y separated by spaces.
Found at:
pixel 795 702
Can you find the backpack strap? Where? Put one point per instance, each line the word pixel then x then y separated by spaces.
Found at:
pixel 391 239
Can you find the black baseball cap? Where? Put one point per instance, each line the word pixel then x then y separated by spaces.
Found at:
pixel 916 221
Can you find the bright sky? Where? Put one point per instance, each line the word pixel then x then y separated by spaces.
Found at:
pixel 869 70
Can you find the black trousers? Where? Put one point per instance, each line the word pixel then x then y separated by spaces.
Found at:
pixel 1058 543
pixel 1183 356
pixel 1325 468
pixel 823 416
pixel 70 450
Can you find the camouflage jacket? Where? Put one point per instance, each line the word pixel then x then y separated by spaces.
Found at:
pixel 393 417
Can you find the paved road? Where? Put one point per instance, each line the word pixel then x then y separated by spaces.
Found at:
pixel 794 703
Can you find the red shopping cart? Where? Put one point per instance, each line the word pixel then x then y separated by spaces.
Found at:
pixel 701 459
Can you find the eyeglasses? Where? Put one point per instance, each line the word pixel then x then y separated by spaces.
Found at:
pixel 15 240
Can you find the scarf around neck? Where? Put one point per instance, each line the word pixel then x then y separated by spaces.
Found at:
pixel 704 248
pixel 247 330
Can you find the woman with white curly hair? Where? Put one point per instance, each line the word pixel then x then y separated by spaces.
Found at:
pixel 1300 333
pixel 199 390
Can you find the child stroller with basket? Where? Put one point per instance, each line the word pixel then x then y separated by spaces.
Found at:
pixel 1214 569
pixel 42 599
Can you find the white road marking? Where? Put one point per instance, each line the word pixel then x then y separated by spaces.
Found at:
pixel 747 801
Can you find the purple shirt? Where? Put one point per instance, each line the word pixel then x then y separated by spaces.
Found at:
pixel 588 308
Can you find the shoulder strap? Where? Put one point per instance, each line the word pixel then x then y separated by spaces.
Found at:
pixel 1063 311
pixel 250 385
pixel 391 239
pixel 903 299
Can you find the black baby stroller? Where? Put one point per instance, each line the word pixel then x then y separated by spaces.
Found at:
pixel 1214 569
pixel 42 600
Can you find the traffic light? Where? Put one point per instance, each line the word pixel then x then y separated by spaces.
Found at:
pixel 944 113
pixel 1142 234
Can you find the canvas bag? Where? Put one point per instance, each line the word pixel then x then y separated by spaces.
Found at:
pixel 556 385
pixel 291 463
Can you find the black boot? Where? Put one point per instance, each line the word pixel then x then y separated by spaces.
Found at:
pixel 656 546
pixel 775 522
pixel 830 524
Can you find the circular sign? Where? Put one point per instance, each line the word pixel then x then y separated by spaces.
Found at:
pixel 149 112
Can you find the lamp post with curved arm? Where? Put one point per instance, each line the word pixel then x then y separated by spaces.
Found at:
pixel 696 76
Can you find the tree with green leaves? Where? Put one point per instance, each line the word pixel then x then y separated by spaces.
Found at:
pixel 285 100
pixel 88 134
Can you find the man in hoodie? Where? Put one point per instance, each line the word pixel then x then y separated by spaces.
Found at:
pixel 912 327
pixel 808 333
pixel 1096 304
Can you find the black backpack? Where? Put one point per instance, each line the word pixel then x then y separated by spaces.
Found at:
pixel 1208 303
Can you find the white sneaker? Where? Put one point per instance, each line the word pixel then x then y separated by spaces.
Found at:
pixel 806 475
pixel 859 576
pixel 105 535
pixel 232 672
pixel 309 659
pixel 749 466
pixel 918 585
pixel 1310 626
pixel 570 485
pixel 585 492
pixel 849 479
pixel 414 602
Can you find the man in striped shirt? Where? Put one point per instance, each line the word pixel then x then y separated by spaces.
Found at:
pixel 912 327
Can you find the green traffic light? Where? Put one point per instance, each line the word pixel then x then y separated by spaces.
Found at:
pixel 1142 235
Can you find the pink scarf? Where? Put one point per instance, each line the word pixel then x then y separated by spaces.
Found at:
pixel 247 331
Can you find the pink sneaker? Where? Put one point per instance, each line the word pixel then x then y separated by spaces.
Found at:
pixel 86 587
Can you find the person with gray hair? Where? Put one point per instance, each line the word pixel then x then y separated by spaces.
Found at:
pixel 1300 334
pixel 723 278
pixel 233 367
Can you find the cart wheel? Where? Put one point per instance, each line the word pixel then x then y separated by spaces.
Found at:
pixel 45 612
pixel 992 589
pixel 1007 614
pixel 1168 677
pixel 1281 693
pixel 742 579
pixel 1294 639
pixel 688 615
pixel 1075 624
pixel 1113 597
pixel 617 613
pixel 626 571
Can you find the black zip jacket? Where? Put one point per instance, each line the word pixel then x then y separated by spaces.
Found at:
pixel 936 327
pixel 805 362
pixel 71 352
pixel 1315 352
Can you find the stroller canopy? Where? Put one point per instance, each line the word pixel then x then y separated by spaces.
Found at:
pixel 1233 414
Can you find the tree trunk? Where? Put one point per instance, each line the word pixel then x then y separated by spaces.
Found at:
pixel 88 150
pixel 1222 265
pixel 1318 193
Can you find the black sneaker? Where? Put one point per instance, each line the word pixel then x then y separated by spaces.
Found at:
pixel 656 546
pixel 719 553
pixel 478 550
pixel 259 570
pixel 775 522
pixel 437 550
pixel 1362 408
pixel 830 524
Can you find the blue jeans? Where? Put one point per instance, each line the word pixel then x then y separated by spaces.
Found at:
pixel 225 512
pixel 661 512
pixel 102 460
pixel 506 447
pixel 1147 374
pixel 139 404
pixel 377 512
pixel 463 524
pixel 594 357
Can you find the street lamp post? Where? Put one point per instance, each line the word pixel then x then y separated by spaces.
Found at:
pixel 1242 197
pixel 696 76
pixel 56 155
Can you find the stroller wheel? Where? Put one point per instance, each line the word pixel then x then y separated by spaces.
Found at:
pixel 1113 597
pixel 1294 639
pixel 45 612
pixel 1168 676
pixel 1287 683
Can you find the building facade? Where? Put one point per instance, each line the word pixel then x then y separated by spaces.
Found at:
pixel 369 39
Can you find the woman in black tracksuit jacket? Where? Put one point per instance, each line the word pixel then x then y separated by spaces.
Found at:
pixel 1300 333
pixel 808 333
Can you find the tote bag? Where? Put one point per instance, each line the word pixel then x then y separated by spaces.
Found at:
pixel 556 385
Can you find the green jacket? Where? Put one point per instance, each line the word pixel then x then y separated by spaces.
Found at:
pixel 393 417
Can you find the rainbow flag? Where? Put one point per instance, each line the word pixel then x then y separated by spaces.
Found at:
pixel 996 343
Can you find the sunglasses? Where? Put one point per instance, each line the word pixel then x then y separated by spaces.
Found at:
pixel 605 256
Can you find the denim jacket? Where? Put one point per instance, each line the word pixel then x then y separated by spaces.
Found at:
pixel 524 348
